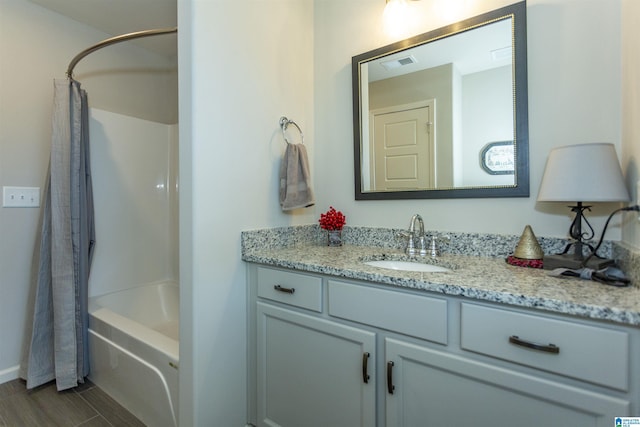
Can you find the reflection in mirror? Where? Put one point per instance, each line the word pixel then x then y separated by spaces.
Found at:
pixel 427 108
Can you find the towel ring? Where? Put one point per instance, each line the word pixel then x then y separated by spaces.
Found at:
pixel 284 123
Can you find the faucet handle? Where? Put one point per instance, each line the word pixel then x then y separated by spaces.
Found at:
pixel 433 246
pixel 410 236
pixel 403 234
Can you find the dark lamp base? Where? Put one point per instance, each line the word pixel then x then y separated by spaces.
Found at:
pixel 551 262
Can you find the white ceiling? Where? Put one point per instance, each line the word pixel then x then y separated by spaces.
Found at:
pixel 116 17
pixel 469 51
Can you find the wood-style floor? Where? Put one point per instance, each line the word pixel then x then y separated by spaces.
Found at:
pixel 85 406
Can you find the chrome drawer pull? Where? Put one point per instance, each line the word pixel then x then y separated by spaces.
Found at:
pixel 548 348
pixel 283 289
pixel 365 367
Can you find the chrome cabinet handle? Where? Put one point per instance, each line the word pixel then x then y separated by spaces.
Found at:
pixel 283 289
pixel 390 386
pixel 547 348
pixel 365 367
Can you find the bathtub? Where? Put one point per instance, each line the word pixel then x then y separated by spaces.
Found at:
pixel 133 350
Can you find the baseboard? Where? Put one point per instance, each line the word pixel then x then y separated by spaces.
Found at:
pixel 9 374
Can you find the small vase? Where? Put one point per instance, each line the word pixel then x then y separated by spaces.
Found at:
pixel 334 237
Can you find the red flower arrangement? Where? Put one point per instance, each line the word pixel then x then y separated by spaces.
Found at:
pixel 332 219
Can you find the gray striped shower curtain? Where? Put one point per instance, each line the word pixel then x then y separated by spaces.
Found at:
pixel 57 343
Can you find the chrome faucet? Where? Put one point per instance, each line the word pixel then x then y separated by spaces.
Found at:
pixel 411 236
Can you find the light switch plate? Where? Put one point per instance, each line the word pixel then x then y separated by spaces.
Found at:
pixel 20 197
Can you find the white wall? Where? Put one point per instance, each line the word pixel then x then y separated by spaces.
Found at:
pixel 230 143
pixel 574 97
pixel 631 111
pixel 243 64
pixel 36 46
pixel 134 194
pixel 487 112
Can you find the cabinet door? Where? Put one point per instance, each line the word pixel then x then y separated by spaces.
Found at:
pixel 311 371
pixel 431 388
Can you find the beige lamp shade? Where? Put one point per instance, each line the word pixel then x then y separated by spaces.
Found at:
pixel 583 173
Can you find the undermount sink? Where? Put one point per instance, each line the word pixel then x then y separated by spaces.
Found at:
pixel 408 266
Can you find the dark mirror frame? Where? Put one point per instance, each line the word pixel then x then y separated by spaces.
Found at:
pixel 517 11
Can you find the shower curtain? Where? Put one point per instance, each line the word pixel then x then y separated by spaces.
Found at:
pixel 57 347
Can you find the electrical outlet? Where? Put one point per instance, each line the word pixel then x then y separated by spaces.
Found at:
pixel 20 197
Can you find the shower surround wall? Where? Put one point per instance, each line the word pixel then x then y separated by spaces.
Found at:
pixel 134 170
pixel 36 45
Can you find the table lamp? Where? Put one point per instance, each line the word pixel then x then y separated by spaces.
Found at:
pixel 581 173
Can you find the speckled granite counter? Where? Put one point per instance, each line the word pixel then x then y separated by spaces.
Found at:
pixel 486 278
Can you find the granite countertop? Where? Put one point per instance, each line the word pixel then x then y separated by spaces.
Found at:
pixel 477 277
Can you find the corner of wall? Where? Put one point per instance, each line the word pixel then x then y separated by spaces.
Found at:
pixel 630 35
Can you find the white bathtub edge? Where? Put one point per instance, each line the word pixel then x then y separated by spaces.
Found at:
pixel 95 376
pixel 154 339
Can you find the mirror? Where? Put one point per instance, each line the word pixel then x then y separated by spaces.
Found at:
pixel 444 114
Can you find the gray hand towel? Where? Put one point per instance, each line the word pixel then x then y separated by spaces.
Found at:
pixel 295 182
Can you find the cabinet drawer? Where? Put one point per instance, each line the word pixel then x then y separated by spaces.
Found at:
pixel 588 353
pixel 409 314
pixel 295 289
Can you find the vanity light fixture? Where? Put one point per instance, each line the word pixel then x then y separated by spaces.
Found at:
pixel 581 173
pixel 398 17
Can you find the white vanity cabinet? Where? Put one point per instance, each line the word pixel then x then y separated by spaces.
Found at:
pixel 434 388
pixel 310 371
pixel 357 354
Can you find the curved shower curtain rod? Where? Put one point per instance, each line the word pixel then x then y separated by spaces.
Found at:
pixel 117 39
